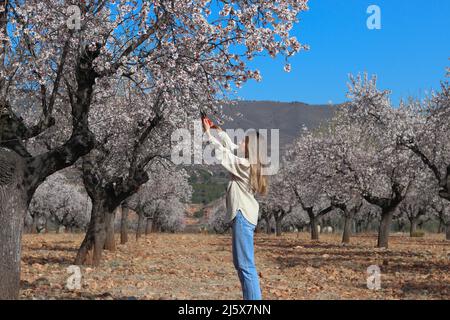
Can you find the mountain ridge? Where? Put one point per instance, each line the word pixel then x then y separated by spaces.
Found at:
pixel 288 117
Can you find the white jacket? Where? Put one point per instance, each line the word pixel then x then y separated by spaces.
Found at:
pixel 239 194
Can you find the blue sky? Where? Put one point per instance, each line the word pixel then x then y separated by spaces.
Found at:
pixel 409 54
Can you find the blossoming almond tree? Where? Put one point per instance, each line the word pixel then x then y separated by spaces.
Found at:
pixel 62 202
pixel 339 145
pixel 279 202
pixel 52 51
pixel 386 171
pixel 427 137
pixel 266 214
pixel 326 154
pixel 306 179
pixel 133 134
pixel 366 215
pixel 296 220
pixel 441 209
pixel 161 200
pixel 416 206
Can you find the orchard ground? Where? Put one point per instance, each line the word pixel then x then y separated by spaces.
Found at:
pixel 199 266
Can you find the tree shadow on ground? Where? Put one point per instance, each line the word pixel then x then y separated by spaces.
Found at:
pixel 52 248
pixel 30 260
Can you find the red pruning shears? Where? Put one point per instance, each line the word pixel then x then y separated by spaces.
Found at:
pixel 205 117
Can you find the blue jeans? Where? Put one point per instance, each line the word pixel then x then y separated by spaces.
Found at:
pixel 244 258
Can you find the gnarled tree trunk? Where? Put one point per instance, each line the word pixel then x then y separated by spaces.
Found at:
pixel 385 227
pixel 279 216
pixel 91 248
pixel 278 227
pixel 314 219
pixel 388 206
pixel 12 212
pixel 313 226
pixel 348 218
pixel 110 241
pixel 21 173
pixel 148 226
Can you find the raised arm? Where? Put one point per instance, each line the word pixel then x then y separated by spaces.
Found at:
pixel 224 154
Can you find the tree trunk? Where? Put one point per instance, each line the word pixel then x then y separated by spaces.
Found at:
pixel 19 179
pixel 13 204
pixel 148 226
pixel 384 229
pixel 447 232
pixel 347 228
pixel 314 228
pixel 90 251
pixel 412 227
pixel 110 241
pixel 139 225
pixel 155 225
pixel 278 226
pixel 124 225
pixel 268 228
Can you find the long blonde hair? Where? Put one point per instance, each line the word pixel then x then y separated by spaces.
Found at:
pixel 256 153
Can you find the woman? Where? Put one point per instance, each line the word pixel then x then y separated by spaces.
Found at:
pixel 246 180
